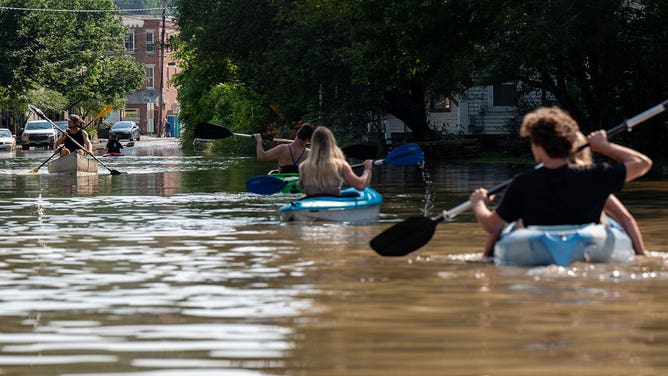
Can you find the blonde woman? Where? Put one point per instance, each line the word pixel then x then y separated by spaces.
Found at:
pixel 326 170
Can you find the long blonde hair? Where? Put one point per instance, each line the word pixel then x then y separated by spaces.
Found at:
pixel 582 157
pixel 322 168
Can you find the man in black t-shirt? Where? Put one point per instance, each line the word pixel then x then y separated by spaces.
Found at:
pixel 559 193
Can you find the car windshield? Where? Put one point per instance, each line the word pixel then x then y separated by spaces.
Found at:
pixel 121 126
pixel 38 125
pixel 5 133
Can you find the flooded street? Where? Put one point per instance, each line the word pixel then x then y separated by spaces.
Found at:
pixel 172 268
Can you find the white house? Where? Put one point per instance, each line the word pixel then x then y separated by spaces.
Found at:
pixel 480 110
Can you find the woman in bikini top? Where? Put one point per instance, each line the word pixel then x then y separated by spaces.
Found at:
pixel 294 167
pixel 285 154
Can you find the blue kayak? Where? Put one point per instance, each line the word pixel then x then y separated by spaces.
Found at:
pixel 351 206
pixel 563 245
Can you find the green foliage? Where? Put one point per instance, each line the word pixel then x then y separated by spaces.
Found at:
pixel 137 4
pixel 602 60
pixel 79 55
pixel 240 110
pixel 338 62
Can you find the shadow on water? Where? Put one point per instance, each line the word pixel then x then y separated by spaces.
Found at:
pixel 173 268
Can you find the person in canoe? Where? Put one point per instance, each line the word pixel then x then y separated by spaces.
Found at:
pixel 326 170
pixel 559 193
pixel 288 156
pixel 76 132
pixel 113 147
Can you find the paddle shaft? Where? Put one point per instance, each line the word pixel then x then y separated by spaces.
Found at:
pixel 626 125
pixel 43 116
pixel 100 114
pixel 266 138
pixel 47 160
pixel 209 131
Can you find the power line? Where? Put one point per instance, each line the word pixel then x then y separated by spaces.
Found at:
pixel 83 10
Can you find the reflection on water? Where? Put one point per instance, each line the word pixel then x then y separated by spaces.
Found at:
pixel 171 268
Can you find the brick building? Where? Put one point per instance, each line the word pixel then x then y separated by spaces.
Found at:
pixel 143 41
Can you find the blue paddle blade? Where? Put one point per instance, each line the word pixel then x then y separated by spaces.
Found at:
pixel 265 184
pixel 405 155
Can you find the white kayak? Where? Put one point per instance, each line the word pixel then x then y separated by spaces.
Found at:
pixel 351 206
pixel 563 245
pixel 73 163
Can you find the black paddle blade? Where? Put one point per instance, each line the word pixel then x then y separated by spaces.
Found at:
pixel 114 172
pixel 361 151
pixel 404 237
pixel 208 131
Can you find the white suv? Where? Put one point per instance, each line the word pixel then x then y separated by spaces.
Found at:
pixel 38 133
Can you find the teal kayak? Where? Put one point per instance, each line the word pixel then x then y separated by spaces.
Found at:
pixel 351 206
pixel 563 245
pixel 292 181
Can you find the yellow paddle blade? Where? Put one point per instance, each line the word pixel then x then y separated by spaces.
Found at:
pixel 34 170
pixel 103 113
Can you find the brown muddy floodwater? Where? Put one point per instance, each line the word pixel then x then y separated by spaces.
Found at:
pixel 172 268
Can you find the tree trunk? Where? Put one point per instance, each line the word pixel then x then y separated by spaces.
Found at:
pixel 410 108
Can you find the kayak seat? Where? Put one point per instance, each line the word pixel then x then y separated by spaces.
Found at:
pixel 561 246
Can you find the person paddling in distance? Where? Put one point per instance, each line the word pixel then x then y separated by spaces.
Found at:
pixel 76 132
pixel 113 145
pixel 559 193
pixel 325 170
pixel 288 156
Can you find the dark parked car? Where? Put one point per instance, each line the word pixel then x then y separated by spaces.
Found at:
pixel 126 129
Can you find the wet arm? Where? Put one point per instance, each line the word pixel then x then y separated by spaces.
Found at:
pixel 615 209
pixel 59 141
pixel 269 155
pixel 489 220
pixel 637 164
pixel 87 144
pixel 357 182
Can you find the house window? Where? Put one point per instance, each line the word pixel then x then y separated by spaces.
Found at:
pixel 441 104
pixel 150 79
pixel 150 41
pixel 130 41
pixel 505 95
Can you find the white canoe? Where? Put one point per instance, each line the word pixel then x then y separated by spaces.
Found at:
pixel 351 206
pixel 563 245
pixel 74 163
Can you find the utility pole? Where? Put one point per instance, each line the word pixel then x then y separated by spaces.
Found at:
pixel 161 122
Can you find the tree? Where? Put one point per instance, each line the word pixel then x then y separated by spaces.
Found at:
pixel 602 60
pixel 327 57
pixel 76 53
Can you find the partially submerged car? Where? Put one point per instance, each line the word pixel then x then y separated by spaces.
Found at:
pixel 126 129
pixel 7 140
pixel 38 133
